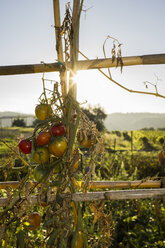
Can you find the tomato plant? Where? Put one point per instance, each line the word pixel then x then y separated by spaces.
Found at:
pixel 34 219
pixel 25 146
pixel 41 155
pixel 43 111
pixel 43 138
pixel 58 146
pixel 58 130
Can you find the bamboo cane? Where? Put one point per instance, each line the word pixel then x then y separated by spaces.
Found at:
pixel 124 184
pixel 30 69
pixel 101 184
pixel 63 74
pixel 97 196
pixel 153 59
pixel 74 47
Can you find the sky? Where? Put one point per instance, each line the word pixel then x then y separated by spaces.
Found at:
pixel 28 37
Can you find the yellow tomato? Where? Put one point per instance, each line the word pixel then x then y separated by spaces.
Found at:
pixel 41 155
pixel 43 111
pixel 58 146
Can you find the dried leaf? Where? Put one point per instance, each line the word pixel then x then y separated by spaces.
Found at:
pixel 94 210
pixel 74 213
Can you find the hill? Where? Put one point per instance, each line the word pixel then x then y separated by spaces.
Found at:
pixel 115 121
pixel 134 121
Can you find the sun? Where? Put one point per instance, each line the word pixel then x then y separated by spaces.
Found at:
pixel 88 86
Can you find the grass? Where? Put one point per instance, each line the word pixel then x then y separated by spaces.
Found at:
pixel 15 132
pixel 117 142
pixel 11 136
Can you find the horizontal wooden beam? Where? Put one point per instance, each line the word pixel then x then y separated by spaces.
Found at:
pixel 102 195
pixel 82 64
pixel 124 184
pixel 30 69
pixel 127 61
pixel 119 195
pixel 99 184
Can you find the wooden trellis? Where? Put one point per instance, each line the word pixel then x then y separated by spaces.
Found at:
pixel 154 187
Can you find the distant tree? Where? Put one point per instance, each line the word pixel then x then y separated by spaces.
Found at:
pixel 160 139
pixel 148 129
pixel 118 133
pixel 126 136
pixel 161 129
pixel 146 144
pixel 97 115
pixel 18 123
pixel 36 122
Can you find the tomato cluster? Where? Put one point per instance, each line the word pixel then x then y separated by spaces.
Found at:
pixel 50 141
pixel 47 142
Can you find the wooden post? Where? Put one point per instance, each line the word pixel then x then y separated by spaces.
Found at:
pixel 74 47
pixel 132 148
pixel 114 145
pixel 63 74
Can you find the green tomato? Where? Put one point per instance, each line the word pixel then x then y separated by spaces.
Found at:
pixel 40 172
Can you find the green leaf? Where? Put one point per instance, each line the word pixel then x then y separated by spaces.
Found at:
pixel 50 221
pixel 52 238
pixel 59 199
pixel 20 239
pixel 56 183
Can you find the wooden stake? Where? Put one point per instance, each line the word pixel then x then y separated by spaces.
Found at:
pixel 74 47
pixel 63 74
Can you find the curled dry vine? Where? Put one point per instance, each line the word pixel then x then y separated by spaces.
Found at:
pixel 122 86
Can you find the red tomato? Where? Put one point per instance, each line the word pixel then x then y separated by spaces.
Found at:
pixel 34 219
pixel 58 146
pixel 43 111
pixel 25 146
pixel 58 130
pixel 43 138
